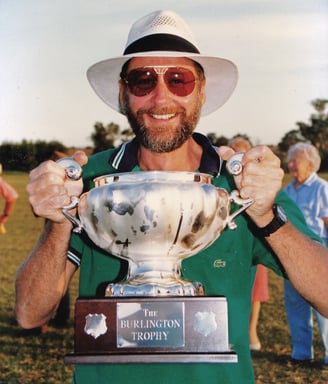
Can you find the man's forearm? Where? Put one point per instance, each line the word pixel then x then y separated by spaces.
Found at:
pixel 41 280
pixel 305 262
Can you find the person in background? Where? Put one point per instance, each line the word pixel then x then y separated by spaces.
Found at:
pixel 260 291
pixel 310 193
pixel 240 144
pixel 9 195
pixel 162 84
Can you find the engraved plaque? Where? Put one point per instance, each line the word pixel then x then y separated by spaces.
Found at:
pixel 150 325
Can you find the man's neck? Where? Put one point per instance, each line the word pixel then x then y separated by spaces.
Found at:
pixel 185 158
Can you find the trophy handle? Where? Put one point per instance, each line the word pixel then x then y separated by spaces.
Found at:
pixel 73 172
pixel 235 167
pixel 245 203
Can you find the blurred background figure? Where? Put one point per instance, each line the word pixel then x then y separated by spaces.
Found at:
pixel 260 291
pixel 310 193
pixel 240 144
pixel 9 195
pixel 260 294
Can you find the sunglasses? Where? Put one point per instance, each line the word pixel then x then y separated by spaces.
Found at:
pixel 142 81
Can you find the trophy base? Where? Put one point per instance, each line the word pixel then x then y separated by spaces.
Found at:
pixel 151 330
pixel 151 358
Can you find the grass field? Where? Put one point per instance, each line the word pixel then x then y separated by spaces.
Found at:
pixel 38 358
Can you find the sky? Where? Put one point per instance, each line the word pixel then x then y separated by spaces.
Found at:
pixel 280 48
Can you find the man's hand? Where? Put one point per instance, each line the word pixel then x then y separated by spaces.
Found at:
pixel 49 189
pixel 260 180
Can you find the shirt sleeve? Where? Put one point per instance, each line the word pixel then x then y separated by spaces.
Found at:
pixel 74 253
pixel 263 253
pixel 74 257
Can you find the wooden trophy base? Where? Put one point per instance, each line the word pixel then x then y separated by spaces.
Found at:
pixel 151 330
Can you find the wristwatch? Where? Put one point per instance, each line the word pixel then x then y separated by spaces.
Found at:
pixel 280 218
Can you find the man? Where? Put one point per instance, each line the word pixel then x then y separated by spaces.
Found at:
pixel 310 193
pixel 162 84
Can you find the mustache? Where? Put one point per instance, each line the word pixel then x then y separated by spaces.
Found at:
pixel 161 111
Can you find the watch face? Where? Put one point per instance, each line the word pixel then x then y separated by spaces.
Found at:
pixel 281 213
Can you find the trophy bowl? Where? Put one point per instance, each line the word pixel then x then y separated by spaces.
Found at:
pixel 154 220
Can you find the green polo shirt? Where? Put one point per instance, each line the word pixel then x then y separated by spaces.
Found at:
pixel 224 268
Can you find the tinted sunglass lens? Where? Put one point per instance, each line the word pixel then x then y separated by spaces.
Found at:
pixel 180 81
pixel 141 81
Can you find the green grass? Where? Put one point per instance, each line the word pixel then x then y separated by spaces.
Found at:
pixel 27 357
pixel 39 358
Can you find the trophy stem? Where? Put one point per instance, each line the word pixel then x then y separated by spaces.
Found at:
pixel 154 278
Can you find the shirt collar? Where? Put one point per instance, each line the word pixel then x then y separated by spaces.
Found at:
pixel 311 179
pixel 307 183
pixel 125 157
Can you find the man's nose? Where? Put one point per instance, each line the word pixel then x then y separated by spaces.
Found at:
pixel 161 93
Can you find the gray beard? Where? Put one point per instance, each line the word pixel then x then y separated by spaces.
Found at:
pixel 157 145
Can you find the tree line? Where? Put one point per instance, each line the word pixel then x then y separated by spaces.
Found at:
pixel 26 155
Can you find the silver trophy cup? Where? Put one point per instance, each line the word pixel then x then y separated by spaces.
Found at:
pixel 154 220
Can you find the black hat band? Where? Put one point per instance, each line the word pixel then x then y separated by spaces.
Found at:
pixel 160 42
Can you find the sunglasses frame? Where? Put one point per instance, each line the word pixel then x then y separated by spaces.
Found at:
pixel 160 70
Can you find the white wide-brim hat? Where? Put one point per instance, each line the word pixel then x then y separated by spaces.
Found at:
pixel 164 34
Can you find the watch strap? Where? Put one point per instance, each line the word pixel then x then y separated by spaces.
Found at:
pixel 277 222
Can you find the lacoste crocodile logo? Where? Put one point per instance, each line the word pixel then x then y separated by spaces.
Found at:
pixel 219 263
